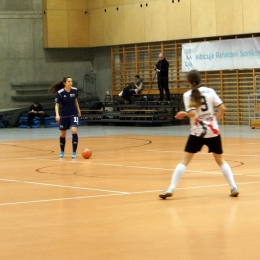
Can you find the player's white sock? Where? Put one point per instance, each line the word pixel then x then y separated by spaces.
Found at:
pixel 177 174
pixel 228 175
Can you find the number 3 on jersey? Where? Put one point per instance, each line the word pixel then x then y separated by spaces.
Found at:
pixel 204 105
pixel 76 120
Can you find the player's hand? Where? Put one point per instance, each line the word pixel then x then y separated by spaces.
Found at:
pixel 57 118
pixel 180 115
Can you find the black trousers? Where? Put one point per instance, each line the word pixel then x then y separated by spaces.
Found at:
pixel 31 116
pixel 163 86
pixel 128 93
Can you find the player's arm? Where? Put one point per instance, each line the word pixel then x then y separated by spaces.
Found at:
pixel 219 104
pixel 31 109
pixel 77 105
pixel 138 88
pixel 221 111
pixel 41 110
pixel 57 111
pixel 181 114
pixel 190 111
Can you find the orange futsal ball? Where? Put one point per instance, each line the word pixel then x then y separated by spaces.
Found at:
pixel 86 153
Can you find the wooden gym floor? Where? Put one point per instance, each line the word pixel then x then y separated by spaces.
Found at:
pixel 108 207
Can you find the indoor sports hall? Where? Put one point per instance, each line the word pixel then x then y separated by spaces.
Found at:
pixel 107 207
pixel 114 77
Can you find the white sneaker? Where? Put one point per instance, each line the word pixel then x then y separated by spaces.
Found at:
pixel 234 192
pixel 166 193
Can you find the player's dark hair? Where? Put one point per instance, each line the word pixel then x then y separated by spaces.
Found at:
pixel 58 86
pixel 137 76
pixel 194 79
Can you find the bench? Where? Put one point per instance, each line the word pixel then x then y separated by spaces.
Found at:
pixel 91 113
pixel 144 114
pixel 156 91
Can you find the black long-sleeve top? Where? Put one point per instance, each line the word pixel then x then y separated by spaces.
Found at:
pixel 163 66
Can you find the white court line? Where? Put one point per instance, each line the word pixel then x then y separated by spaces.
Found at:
pixel 118 194
pixel 9 180
pixel 62 186
pixel 169 151
pixel 172 169
pixel 127 166
pixel 60 199
pixel 196 187
pixel 244 144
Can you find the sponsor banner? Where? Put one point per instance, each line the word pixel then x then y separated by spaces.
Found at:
pixel 221 55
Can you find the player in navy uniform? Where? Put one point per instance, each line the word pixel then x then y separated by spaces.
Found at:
pixel 67 97
pixel 199 105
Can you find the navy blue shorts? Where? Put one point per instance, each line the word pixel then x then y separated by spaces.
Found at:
pixel 195 143
pixel 69 121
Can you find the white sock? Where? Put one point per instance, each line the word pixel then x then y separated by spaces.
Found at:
pixel 228 175
pixel 177 174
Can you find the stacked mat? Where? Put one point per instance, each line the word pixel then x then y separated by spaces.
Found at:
pixel 36 123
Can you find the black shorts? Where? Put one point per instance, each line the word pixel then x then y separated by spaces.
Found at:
pixel 69 121
pixel 195 143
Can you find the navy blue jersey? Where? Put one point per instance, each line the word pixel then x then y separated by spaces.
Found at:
pixel 67 101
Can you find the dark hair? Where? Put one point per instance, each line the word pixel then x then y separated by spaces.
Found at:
pixel 137 76
pixel 36 102
pixel 58 86
pixel 194 79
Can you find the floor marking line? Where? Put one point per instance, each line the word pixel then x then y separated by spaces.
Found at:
pixel 9 180
pixel 118 194
pixel 108 164
pixel 169 151
pixel 59 199
pixel 168 169
pixel 127 166
pixel 72 187
pixel 62 186
pixel 195 187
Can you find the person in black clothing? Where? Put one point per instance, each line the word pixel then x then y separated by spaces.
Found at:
pixel 36 109
pixel 162 67
pixel 132 89
pixel 128 92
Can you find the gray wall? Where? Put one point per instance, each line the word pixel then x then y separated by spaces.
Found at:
pixel 23 59
pixel 102 65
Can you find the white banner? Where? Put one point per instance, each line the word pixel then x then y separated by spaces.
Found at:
pixel 221 55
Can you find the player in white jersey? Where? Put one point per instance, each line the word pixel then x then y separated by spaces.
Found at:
pixel 199 107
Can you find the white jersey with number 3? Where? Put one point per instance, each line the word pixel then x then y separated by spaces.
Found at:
pixel 205 124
